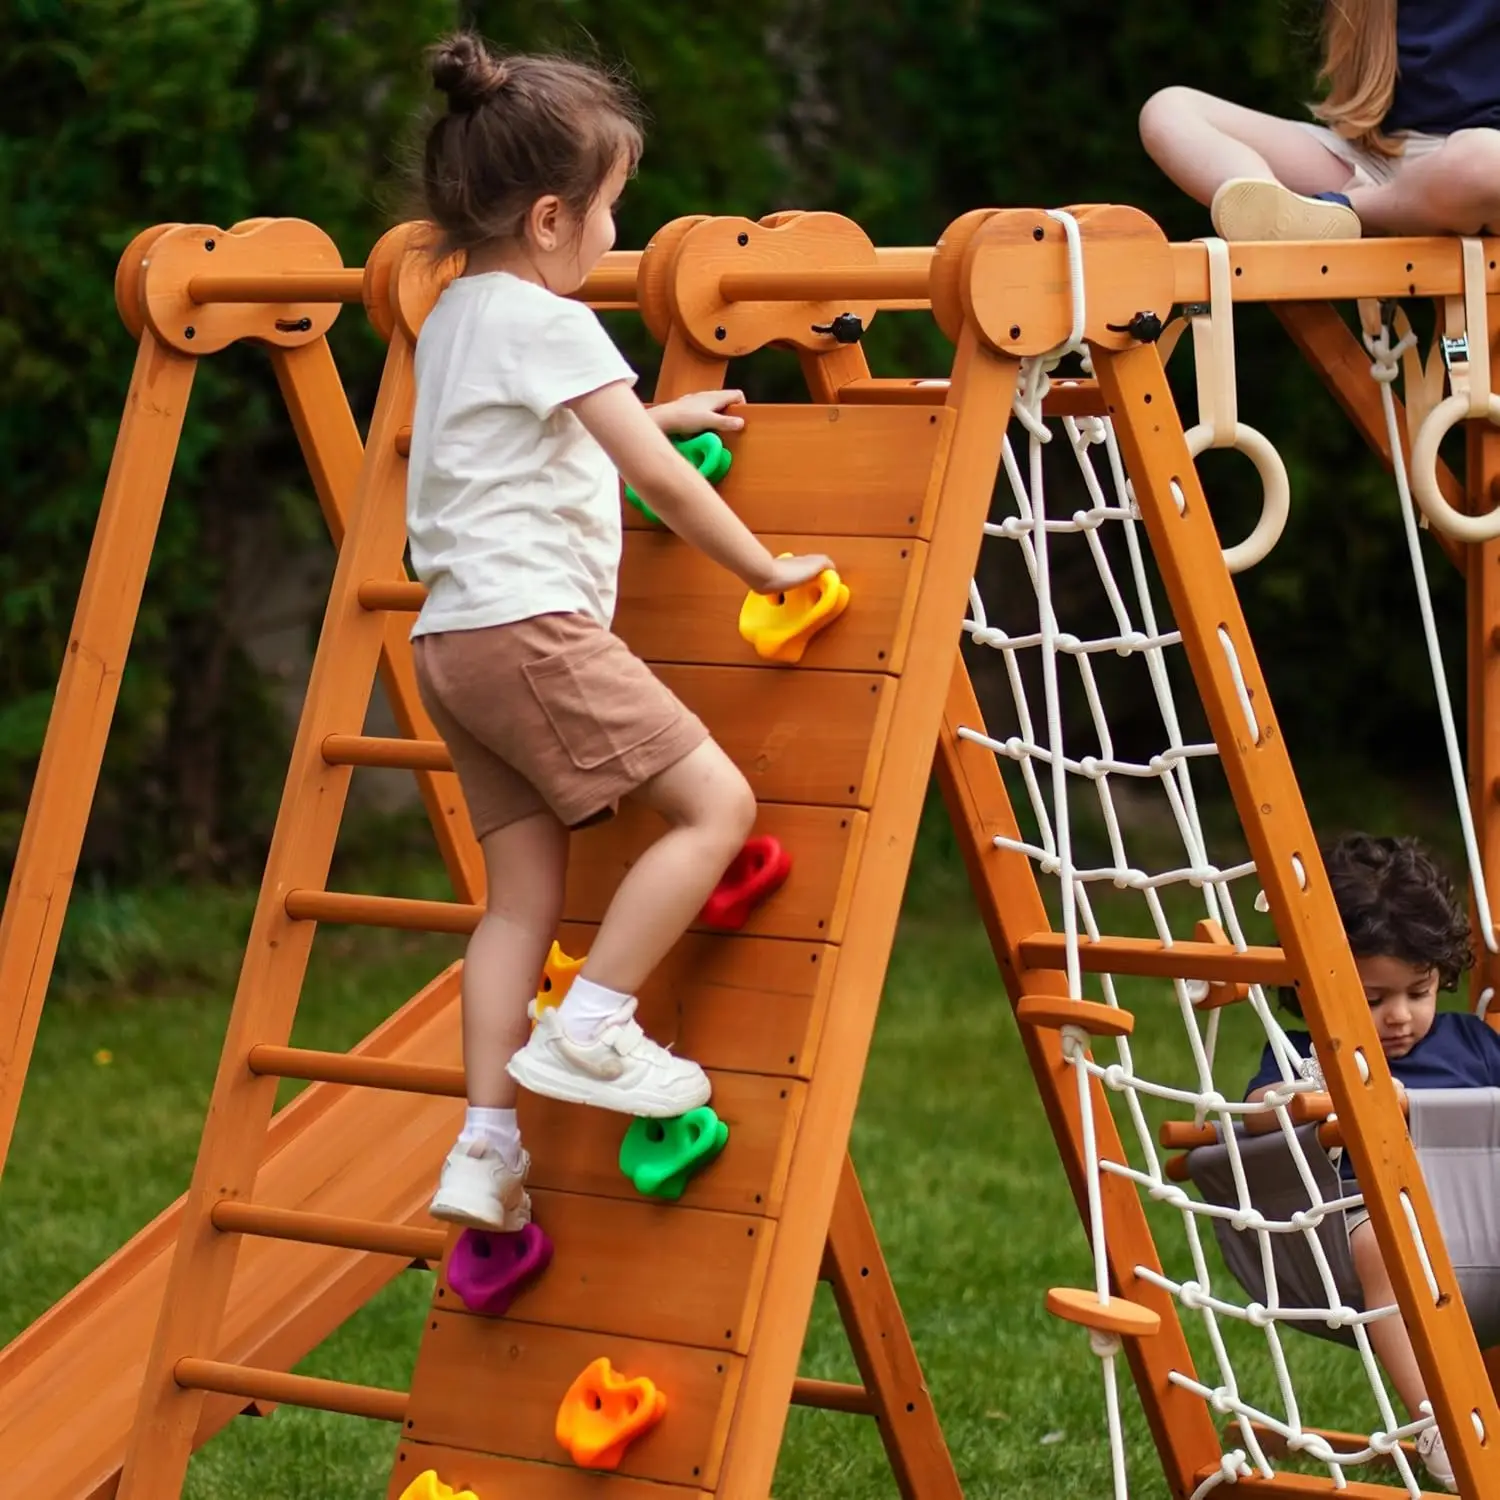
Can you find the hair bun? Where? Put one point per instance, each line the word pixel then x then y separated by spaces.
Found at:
pixel 467 71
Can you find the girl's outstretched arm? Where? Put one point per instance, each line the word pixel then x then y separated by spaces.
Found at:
pixel 680 495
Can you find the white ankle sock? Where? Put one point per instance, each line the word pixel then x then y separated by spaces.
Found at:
pixel 586 1007
pixel 497 1128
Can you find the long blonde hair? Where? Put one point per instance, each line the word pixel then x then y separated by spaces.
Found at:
pixel 1359 71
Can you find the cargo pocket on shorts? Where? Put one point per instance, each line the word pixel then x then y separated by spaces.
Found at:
pixel 593 698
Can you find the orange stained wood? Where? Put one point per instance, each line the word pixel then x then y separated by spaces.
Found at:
pixel 500 1477
pixel 578 1151
pixel 982 386
pixel 69 1383
pixel 1113 954
pixel 799 735
pixel 731 1002
pixel 1259 772
pixel 469 1369
pixel 1057 1011
pixel 1220 993
pixel 1013 912
pixel 635 1268
pixel 721 321
pixel 678 606
pixel 1117 1315
pixel 276 955
pixel 41 879
pixel 833 471
pixel 824 842
pixel 187 251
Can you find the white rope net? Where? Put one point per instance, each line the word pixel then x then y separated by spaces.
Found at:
pixel 1084 796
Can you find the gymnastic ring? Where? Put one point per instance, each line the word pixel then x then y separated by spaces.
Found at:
pixel 1276 491
pixel 1443 417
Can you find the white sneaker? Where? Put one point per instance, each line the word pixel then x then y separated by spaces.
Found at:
pixel 480 1191
pixel 1253 208
pixel 1434 1456
pixel 621 1069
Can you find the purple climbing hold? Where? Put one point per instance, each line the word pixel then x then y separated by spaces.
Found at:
pixel 487 1270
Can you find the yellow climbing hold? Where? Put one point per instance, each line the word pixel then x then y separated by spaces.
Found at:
pixel 779 626
pixel 427 1486
pixel 558 974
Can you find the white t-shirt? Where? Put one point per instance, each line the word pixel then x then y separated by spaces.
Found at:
pixel 512 508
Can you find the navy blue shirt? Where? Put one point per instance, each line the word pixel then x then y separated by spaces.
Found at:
pixel 1447 66
pixel 1460 1052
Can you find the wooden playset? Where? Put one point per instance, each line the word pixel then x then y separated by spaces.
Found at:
pixel 641 1341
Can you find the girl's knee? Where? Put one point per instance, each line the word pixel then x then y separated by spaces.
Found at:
pixel 1471 166
pixel 1167 111
pixel 737 809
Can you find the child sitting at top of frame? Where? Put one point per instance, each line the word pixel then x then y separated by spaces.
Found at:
pixel 1410 938
pixel 1406 139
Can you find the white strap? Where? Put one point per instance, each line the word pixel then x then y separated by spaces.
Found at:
pixel 1213 351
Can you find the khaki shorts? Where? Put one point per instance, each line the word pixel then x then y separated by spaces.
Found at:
pixel 553 713
pixel 1369 168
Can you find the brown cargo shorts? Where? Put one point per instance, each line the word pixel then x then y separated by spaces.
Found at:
pixel 551 712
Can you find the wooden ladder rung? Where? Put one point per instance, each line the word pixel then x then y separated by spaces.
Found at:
pixel 1148 956
pixel 833 1395
pixel 382 911
pixel 353 1067
pixel 394 594
pixel 393 754
pixel 291 1390
pixel 407 1241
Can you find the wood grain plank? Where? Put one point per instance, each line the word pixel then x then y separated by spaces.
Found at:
pixel 576 1150
pixel 824 843
pixel 844 471
pixel 494 1386
pixel 640 1268
pixel 798 736
pixel 489 1477
pixel 678 606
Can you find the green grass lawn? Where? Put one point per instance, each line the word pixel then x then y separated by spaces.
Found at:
pixel 955 1154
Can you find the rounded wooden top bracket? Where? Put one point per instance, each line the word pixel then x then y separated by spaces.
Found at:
pixel 269 247
pixel 1016 285
pixel 771 259
pixel 1128 1319
pixel 403 280
pixel 653 277
pixel 128 277
pixel 1057 1011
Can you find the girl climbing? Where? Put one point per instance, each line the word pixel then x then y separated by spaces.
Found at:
pixel 1405 141
pixel 525 419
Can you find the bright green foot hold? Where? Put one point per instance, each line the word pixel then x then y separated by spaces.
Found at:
pixel 659 1156
pixel 706 453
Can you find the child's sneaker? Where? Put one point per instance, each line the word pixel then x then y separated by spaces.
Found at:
pixel 1434 1458
pixel 1253 208
pixel 621 1069
pixel 480 1191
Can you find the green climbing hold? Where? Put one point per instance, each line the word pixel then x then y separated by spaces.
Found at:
pixel 706 452
pixel 659 1156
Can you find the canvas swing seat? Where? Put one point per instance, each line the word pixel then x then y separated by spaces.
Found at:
pixel 1456 1135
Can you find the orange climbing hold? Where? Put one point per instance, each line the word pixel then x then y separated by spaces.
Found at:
pixel 558 974
pixel 779 626
pixel 427 1486
pixel 603 1413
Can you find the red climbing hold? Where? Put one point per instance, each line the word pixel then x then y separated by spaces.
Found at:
pixel 756 872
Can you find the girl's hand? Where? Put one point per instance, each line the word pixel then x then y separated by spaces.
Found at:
pixel 787 572
pixel 702 411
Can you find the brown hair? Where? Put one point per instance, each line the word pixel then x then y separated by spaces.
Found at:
pixel 1395 902
pixel 1359 71
pixel 517 129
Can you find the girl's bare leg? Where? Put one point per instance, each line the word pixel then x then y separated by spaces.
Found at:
pixel 1455 190
pixel 525 864
pixel 1389 1337
pixel 1201 142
